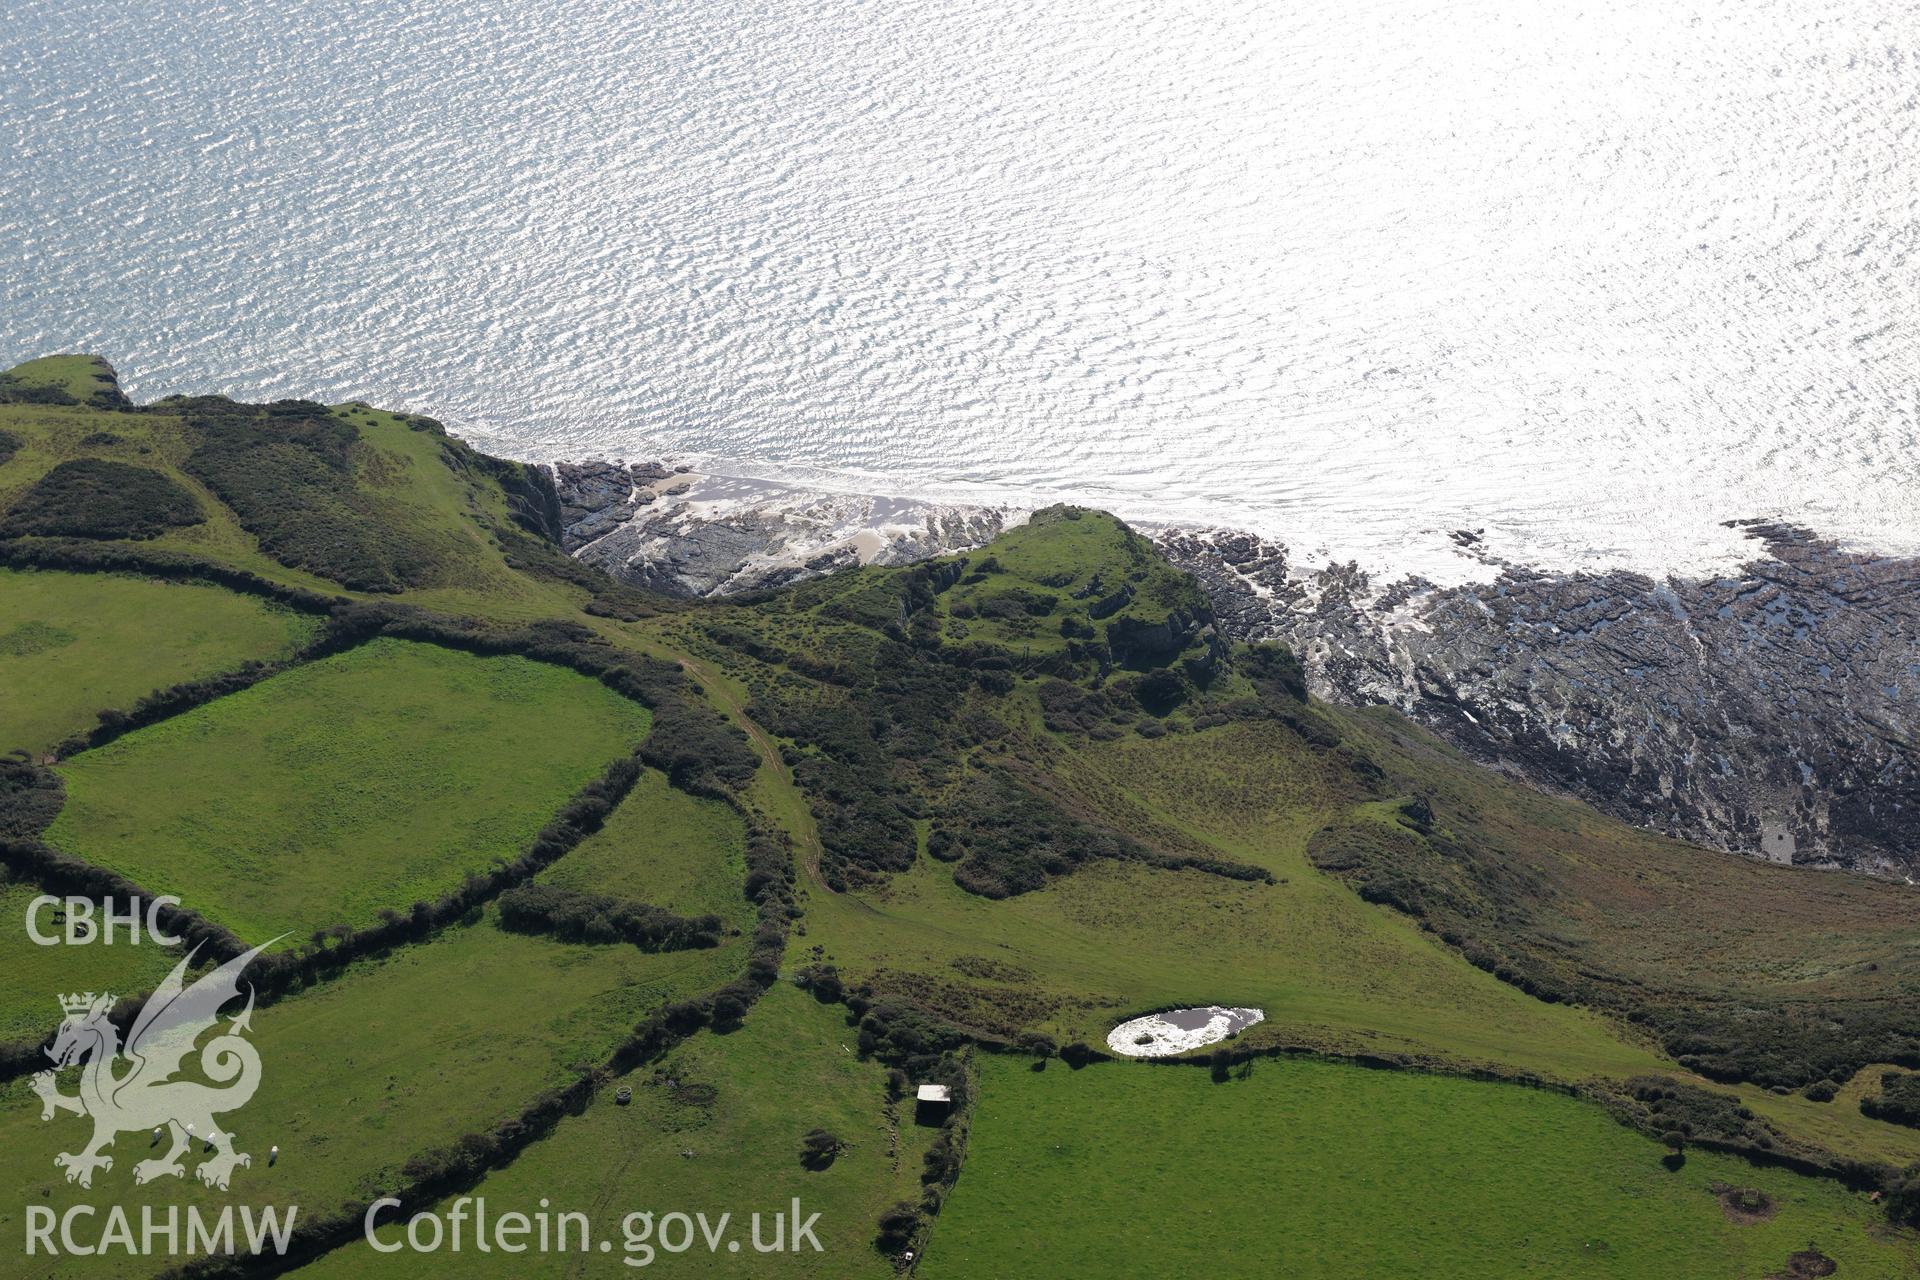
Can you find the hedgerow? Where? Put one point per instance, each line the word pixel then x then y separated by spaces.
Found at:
pixel 591 917
pixel 1898 1101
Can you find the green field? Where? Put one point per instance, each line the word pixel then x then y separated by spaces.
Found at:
pixel 1118 939
pixel 80 377
pixel 785 1072
pixel 989 767
pixel 36 975
pixel 73 645
pixel 396 1057
pixel 1332 1171
pixel 364 781
pixel 665 848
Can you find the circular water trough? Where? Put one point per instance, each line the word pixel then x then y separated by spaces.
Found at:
pixel 1161 1035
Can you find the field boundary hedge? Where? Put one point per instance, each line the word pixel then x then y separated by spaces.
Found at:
pixel 460 1166
pixel 693 744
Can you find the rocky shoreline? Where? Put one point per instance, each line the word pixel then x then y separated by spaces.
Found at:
pixel 675 529
pixel 1770 710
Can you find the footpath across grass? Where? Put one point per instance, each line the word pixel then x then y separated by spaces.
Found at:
pixel 1319 1169
pixel 365 781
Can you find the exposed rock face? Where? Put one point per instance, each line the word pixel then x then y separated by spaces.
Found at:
pixel 1772 711
pixel 687 533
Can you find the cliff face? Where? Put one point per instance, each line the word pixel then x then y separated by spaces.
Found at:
pixel 676 530
pixel 1772 711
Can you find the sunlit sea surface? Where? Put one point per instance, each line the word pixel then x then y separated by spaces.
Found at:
pixel 1592 277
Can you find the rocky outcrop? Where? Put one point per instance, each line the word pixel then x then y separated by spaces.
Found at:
pixel 1150 643
pixel 685 532
pixel 1772 711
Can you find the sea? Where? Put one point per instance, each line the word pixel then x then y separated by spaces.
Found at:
pixel 1587 277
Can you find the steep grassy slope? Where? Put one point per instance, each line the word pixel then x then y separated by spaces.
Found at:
pixel 1747 970
pixel 71 379
pixel 358 783
pixel 340 500
pixel 1036 773
pixel 1330 1171
pixel 74 645
pixel 889 728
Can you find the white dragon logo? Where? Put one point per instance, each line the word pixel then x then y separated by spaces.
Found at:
pixel 147 1096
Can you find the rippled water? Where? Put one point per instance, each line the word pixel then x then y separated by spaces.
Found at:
pixel 1592 277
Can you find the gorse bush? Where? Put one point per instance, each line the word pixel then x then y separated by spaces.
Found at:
pixel 589 917
pixel 99 498
pixel 14 391
pixel 1008 840
pixel 30 798
pixel 287 471
pixel 819 1148
pixel 1899 1100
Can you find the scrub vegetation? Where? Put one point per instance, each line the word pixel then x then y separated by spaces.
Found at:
pixel 766 865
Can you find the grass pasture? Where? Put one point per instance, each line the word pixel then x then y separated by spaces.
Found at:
pixel 36 975
pixel 665 848
pixel 785 1072
pixel 80 378
pixel 1331 1171
pixel 367 780
pixel 1117 939
pixel 398 1056
pixel 73 645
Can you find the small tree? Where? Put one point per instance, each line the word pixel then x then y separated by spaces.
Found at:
pixel 729 1010
pixel 1039 1047
pixel 1903 1197
pixel 819 1148
pixel 823 980
pixel 897 1228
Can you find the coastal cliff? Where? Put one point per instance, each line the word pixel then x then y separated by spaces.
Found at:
pixel 1769 711
pixel 681 531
